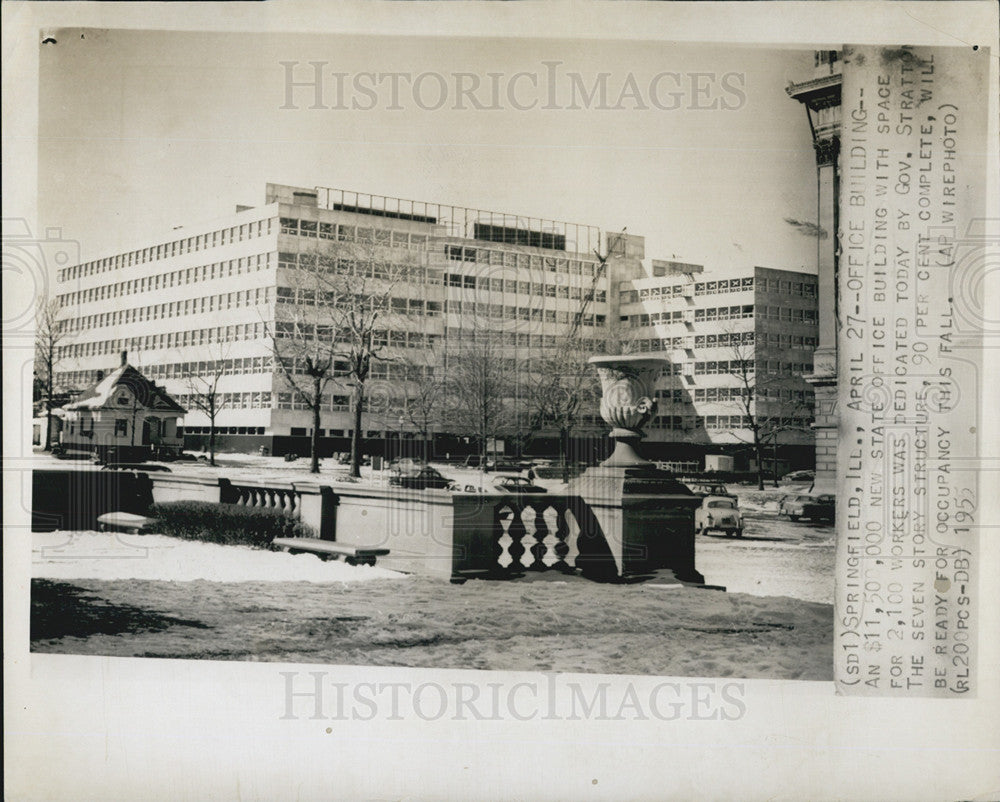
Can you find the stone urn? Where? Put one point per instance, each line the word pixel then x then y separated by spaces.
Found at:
pixel 627 402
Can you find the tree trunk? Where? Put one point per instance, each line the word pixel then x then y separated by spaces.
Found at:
pixel 314 439
pixel 48 408
pixel 759 449
pixel 359 400
pixel 211 440
pixel 48 425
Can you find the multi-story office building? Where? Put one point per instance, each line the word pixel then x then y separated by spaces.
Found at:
pixel 738 343
pixel 215 293
pixel 208 300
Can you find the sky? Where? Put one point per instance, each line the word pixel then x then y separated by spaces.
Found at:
pixel 696 147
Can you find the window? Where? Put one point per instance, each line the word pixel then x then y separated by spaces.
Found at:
pixel 121 427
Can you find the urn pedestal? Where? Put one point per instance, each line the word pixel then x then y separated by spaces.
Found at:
pixel 646 515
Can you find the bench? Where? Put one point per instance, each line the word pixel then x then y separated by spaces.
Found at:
pixel 329 549
pixel 125 522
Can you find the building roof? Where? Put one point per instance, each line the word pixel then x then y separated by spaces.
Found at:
pixel 151 396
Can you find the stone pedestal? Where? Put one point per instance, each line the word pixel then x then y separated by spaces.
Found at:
pixel 647 518
pixel 646 515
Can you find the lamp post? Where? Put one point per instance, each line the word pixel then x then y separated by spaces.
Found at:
pixel 402 422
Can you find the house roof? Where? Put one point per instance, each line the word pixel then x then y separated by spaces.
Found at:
pixel 99 396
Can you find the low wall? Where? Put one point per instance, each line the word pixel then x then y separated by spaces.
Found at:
pixel 443 534
pixel 415 525
pixel 73 499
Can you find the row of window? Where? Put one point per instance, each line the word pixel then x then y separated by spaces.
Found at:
pixel 510 258
pixel 719 422
pixel 786 315
pixel 208 304
pixel 690 342
pixel 723 313
pixel 709 394
pixel 221 430
pixel 213 239
pixel 498 312
pixel 252 400
pixel 209 368
pixel 312 229
pixel 775 339
pixel 174 278
pixel 736 367
pixel 518 339
pixel 691 315
pixel 293 330
pixel 803 289
pixel 726 339
pixel 515 287
pixel 170 339
pixel 310 265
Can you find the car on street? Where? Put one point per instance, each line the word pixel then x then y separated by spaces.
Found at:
pixel 798 477
pixel 134 466
pixel 516 484
pixel 721 513
pixel 709 489
pixel 501 464
pixel 425 478
pixel 401 464
pixel 815 508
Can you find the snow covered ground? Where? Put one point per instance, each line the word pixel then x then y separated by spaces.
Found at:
pixel 110 555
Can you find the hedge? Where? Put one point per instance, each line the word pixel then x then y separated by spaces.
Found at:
pixel 229 524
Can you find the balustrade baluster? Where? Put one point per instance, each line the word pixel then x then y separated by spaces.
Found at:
pixel 562 534
pixel 538 548
pixel 517 533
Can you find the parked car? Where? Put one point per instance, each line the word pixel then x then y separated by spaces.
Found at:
pixel 455 487
pixel 709 489
pixel 345 459
pixel 516 484
pixel 815 508
pixel 502 465
pixel 797 477
pixel 420 479
pixel 720 513
pixel 405 464
pixel 134 466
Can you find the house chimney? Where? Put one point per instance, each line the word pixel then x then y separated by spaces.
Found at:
pixel 124 358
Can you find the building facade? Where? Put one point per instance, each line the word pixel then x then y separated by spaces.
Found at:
pixel 208 301
pixel 739 343
pixel 123 417
pixel 820 95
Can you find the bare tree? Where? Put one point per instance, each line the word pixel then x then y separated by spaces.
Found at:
pixel 203 388
pixel 480 383
pixel 48 336
pixel 769 403
pixel 560 383
pixel 329 325
pixel 426 396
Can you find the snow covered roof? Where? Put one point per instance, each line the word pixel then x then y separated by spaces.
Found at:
pixel 101 395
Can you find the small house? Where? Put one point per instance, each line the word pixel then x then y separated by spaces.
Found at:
pixel 124 417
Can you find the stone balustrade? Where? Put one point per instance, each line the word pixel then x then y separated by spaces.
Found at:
pixel 449 535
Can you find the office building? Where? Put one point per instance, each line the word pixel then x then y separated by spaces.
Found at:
pixel 208 300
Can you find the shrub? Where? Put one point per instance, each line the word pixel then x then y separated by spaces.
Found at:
pixel 229 524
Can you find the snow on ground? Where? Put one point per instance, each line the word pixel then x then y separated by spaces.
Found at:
pixel 110 555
